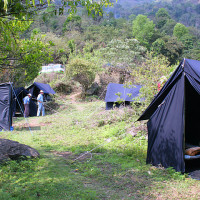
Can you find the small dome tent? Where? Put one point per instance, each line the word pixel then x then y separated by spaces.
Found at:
pixel 5 106
pixel 35 88
pixel 173 118
pixel 119 91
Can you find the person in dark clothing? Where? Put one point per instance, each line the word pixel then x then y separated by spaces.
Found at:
pixel 26 101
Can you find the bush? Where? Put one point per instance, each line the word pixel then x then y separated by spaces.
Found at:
pixel 82 71
pixel 61 86
pixel 148 75
pixel 57 81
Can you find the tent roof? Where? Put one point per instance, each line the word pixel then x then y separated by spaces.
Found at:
pixel 5 84
pixel 19 91
pixel 191 68
pixel 45 87
pixel 114 88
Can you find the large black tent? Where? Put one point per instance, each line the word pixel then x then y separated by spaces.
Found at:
pixel 117 91
pixel 35 88
pixel 18 107
pixel 174 117
pixel 5 106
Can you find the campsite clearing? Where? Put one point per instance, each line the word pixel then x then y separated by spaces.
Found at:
pixel 115 169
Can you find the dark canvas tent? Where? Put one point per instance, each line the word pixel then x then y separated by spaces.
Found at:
pixel 174 117
pixel 126 94
pixel 18 107
pixel 35 88
pixel 5 106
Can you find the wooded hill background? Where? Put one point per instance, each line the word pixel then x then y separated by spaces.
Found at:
pixel 122 38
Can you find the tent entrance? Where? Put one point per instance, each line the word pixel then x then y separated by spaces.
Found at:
pixel 192 128
pixel 192 115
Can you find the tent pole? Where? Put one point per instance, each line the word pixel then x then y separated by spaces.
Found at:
pixel 21 108
pixel 184 104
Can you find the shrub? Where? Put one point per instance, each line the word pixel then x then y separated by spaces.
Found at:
pixel 148 75
pixel 62 86
pixel 57 81
pixel 82 71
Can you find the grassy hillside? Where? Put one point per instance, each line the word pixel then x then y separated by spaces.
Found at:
pixel 113 166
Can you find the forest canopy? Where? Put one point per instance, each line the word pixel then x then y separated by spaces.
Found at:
pixel 61 32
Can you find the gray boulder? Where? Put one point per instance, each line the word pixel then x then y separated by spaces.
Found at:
pixel 93 89
pixel 14 150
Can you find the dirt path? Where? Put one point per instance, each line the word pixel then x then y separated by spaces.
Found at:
pixel 73 98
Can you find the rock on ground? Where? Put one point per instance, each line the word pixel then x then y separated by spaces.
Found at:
pixel 13 150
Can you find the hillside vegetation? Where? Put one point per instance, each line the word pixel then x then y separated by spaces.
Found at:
pixel 183 11
pixel 113 46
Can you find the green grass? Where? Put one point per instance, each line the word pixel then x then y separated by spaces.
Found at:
pixel 115 169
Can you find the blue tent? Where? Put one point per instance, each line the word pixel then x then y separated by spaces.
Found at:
pixel 174 117
pixel 35 88
pixel 5 106
pixel 125 93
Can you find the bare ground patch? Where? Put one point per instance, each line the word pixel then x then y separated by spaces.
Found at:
pixel 33 124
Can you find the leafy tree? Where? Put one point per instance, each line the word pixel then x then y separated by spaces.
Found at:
pixel 169 47
pixel 180 30
pixel 111 15
pixel 143 30
pixel 187 41
pixel 58 46
pixel 16 53
pixel 82 71
pixel 122 56
pixel 19 8
pixel 72 22
pixel 162 17
pixel 21 58
pixel 149 74
pixel 35 53
pixel 123 53
pixel 168 27
pixel 72 46
pixel 132 17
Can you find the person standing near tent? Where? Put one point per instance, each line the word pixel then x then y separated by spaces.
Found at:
pixel 40 100
pixel 26 101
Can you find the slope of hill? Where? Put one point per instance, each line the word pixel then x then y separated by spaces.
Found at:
pixel 138 2
pixel 183 11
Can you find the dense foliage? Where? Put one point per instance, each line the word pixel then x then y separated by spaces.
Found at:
pixel 186 12
pixel 21 57
pixel 117 44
